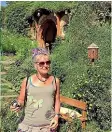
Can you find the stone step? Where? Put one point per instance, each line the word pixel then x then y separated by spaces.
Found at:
pixel 6 62
pixel 8 96
pixel 6 68
pixel 3 73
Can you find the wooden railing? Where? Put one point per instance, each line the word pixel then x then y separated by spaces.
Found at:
pixel 78 104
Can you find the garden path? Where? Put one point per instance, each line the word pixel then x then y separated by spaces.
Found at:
pixel 6 86
pixel 6 64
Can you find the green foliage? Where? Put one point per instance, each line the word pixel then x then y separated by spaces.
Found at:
pixel 15 18
pixel 21 69
pixel 94 89
pixel 74 126
pixel 54 5
pixel 16 43
pixel 30 7
pixel 102 10
pixel 2 17
pixel 93 127
pixel 17 12
pixel 78 78
pixel 9 119
pixel 7 87
pixel 2 67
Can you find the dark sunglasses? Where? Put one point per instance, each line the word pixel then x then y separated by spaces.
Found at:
pixel 42 63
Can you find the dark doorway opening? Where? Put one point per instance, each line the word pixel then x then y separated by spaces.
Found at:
pixel 49 33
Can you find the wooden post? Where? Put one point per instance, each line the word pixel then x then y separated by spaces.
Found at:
pixel 78 104
pixel 58 25
pixel 92 62
pixel 84 114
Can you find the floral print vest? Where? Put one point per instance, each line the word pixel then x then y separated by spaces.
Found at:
pixel 39 108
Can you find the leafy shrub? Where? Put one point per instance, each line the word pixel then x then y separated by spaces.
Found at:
pixel 8 118
pixel 2 17
pixel 21 69
pixel 15 18
pixel 74 126
pixel 78 78
pixel 16 13
pixel 94 89
pixel 93 127
pixel 16 43
pixel 2 67
pixel 103 11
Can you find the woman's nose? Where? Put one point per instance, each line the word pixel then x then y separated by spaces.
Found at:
pixel 45 65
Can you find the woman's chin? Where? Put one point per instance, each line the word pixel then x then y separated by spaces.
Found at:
pixel 45 72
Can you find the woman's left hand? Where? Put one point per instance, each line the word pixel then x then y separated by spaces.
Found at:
pixel 54 123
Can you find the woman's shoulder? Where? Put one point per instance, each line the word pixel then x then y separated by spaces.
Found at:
pixel 28 77
pixel 33 75
pixel 55 78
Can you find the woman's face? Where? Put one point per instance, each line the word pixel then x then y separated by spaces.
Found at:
pixel 42 64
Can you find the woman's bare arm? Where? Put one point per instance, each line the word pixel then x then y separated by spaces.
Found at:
pixel 54 122
pixel 57 97
pixel 21 96
pixel 20 99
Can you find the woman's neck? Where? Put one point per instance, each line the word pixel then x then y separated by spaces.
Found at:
pixel 42 76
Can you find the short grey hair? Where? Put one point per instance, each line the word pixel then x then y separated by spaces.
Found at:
pixel 37 57
pixel 39 52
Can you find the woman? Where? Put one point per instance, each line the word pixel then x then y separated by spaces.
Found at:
pixel 43 97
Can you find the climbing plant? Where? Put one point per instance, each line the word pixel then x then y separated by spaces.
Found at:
pixel 79 79
pixel 15 18
pixel 17 12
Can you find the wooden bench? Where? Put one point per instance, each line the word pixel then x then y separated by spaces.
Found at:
pixel 78 104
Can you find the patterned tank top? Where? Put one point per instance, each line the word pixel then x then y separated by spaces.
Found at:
pixel 39 108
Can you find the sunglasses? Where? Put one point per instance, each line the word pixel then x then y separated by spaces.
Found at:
pixel 42 63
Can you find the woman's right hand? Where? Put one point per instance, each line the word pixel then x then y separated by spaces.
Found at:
pixel 15 106
pixel 15 109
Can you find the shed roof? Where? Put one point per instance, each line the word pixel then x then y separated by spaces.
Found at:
pixel 31 6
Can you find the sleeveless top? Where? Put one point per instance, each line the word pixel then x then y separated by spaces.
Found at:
pixel 39 108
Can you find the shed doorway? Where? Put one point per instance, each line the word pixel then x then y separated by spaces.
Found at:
pixel 49 32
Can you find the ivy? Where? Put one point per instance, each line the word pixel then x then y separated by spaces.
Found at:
pixel 17 12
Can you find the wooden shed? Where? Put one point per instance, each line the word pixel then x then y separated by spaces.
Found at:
pixel 46 25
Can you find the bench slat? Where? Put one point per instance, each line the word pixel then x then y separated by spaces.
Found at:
pixel 73 102
pixel 78 104
pixel 66 117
